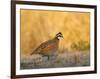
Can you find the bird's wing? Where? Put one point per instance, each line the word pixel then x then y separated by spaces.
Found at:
pixel 41 47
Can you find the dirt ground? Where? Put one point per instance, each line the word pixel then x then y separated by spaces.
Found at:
pixel 66 59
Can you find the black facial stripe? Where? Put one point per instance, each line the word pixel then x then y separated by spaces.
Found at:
pixel 59 34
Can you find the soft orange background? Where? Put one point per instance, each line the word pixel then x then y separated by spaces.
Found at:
pixel 39 26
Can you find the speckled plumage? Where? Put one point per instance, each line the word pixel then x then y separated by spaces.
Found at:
pixel 49 47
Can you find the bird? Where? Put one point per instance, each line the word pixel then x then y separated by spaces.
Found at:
pixel 49 47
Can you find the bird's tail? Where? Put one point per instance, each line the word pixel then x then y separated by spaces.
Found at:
pixel 31 53
pixel 34 52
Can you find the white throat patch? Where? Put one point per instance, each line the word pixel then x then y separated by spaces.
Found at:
pixel 59 38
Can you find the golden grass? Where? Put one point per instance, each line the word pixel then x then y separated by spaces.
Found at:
pixel 38 26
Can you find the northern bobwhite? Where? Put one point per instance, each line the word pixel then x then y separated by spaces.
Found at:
pixel 49 47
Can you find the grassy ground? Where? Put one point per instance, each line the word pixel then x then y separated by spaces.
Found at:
pixel 66 59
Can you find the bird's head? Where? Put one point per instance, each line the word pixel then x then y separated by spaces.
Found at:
pixel 59 35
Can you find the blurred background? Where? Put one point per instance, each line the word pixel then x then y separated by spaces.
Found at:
pixel 38 26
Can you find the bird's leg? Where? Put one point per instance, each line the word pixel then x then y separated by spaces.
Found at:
pixel 48 57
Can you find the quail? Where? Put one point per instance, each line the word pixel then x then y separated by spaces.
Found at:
pixel 48 48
